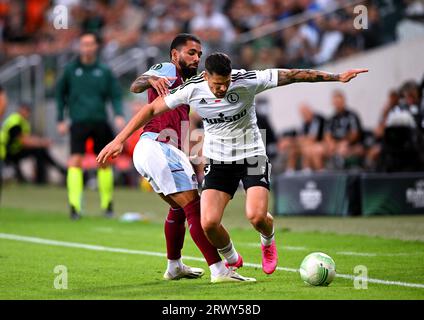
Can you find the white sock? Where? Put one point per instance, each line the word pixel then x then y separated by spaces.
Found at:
pixel 267 240
pixel 174 264
pixel 229 252
pixel 218 268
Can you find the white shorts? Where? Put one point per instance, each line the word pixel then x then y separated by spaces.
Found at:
pixel 167 168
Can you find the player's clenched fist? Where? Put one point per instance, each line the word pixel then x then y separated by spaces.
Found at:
pixel 113 149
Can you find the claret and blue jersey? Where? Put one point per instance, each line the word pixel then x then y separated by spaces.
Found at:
pixel 173 120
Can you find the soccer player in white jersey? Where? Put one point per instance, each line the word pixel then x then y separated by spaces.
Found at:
pixel 158 156
pixel 224 98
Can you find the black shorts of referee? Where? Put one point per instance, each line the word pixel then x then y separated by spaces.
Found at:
pixel 100 132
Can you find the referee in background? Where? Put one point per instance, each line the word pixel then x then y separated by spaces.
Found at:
pixel 3 106
pixel 83 90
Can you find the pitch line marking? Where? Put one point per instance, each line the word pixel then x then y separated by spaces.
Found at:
pixel 15 237
pixel 369 254
pixel 344 253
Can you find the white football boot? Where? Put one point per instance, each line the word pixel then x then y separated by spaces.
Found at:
pixel 184 272
pixel 231 276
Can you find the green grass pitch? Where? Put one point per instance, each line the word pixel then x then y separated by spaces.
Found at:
pixel 112 259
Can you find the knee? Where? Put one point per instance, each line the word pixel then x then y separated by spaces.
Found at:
pixel 306 152
pixel 256 217
pixel 208 224
pixel 317 150
pixel 75 161
pixel 343 149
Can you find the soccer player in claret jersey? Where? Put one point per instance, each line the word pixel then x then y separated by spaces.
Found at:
pixel 224 98
pixel 158 157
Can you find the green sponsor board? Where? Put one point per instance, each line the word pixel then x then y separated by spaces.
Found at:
pixel 317 194
pixel 394 193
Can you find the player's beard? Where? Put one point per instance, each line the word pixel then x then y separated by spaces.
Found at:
pixel 187 71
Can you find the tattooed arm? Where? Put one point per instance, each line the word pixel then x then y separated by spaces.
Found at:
pixel 144 115
pixel 144 82
pixel 141 84
pixel 288 76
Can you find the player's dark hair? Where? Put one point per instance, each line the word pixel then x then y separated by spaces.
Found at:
pixel 218 63
pixel 181 39
pixel 96 37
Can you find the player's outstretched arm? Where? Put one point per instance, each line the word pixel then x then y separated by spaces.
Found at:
pixel 144 82
pixel 144 115
pixel 288 76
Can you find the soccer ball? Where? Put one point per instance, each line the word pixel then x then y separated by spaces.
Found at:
pixel 318 269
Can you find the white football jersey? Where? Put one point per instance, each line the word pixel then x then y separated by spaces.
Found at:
pixel 231 131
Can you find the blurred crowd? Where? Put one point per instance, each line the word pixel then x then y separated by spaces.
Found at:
pixel 52 26
pixel 336 143
pixel 341 142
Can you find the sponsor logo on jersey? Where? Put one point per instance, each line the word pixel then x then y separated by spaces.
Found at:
pixel 222 118
pixel 156 66
pixel 203 101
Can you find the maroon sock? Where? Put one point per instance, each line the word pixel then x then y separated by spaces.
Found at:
pixel 192 211
pixel 174 233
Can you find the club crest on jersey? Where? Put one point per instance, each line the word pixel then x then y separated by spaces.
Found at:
pixel 233 97
pixel 223 119
pixel 97 72
pixel 79 72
